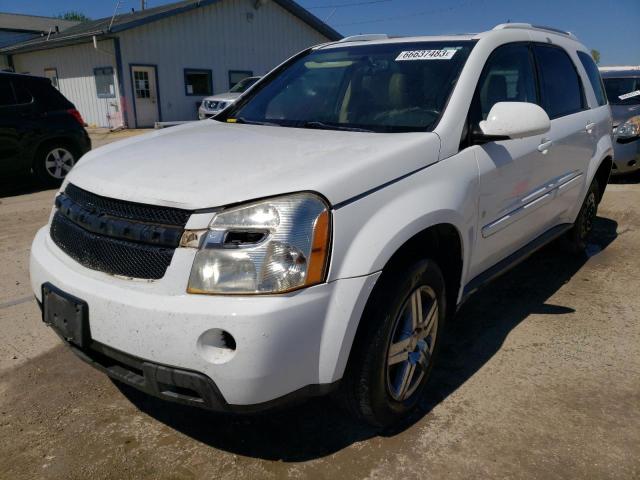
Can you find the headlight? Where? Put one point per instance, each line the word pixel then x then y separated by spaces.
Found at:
pixel 271 246
pixel 629 129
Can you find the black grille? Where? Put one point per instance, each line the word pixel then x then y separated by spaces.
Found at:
pixel 115 236
pixel 130 210
pixel 110 255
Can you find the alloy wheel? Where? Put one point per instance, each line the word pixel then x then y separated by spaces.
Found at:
pixel 589 216
pixel 412 342
pixel 58 162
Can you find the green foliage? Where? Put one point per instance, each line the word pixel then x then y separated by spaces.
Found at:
pixel 74 15
pixel 596 56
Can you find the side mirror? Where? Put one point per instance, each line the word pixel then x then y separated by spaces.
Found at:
pixel 515 120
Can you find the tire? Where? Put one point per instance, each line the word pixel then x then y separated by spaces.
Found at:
pixel 576 238
pixel 53 162
pixel 375 390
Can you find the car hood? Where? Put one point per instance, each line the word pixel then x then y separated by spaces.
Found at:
pixel 224 97
pixel 621 113
pixel 210 164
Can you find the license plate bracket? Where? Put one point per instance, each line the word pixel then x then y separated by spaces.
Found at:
pixel 66 314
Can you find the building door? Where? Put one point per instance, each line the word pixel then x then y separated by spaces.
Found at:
pixel 145 94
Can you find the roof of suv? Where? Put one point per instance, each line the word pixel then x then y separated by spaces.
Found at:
pixel 383 38
pixel 22 75
pixel 619 72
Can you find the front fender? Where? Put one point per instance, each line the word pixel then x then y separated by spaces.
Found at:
pixel 367 232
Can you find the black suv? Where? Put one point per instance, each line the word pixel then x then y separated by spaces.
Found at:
pixel 40 130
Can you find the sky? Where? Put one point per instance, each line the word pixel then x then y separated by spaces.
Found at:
pixel 610 26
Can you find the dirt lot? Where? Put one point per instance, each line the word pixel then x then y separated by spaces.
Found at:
pixel 539 378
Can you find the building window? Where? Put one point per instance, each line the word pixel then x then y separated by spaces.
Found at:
pixel 52 75
pixel 197 82
pixel 236 75
pixel 105 82
pixel 141 82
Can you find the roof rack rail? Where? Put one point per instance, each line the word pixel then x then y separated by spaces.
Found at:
pixel 529 26
pixel 364 38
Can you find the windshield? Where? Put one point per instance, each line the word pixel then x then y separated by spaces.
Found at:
pixel 628 88
pixel 389 87
pixel 243 85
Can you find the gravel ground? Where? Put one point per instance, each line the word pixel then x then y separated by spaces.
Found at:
pixel 539 378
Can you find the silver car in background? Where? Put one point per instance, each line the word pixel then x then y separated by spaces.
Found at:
pixel 623 90
pixel 213 105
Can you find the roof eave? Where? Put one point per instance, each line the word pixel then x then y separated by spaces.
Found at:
pixel 289 5
pixel 52 43
pixel 310 19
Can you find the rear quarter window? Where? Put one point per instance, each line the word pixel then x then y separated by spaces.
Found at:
pixel 23 95
pixel 48 97
pixel 594 77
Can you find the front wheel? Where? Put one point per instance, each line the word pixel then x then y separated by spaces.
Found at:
pixel 394 355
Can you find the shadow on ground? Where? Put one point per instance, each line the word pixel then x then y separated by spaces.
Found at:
pixel 11 186
pixel 319 428
pixel 630 178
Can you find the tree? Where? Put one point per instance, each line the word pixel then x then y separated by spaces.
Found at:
pixel 596 56
pixel 74 16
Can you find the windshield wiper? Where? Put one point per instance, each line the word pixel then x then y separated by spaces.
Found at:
pixel 331 126
pixel 255 122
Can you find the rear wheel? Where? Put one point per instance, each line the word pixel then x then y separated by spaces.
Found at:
pixel 393 358
pixel 577 237
pixel 54 161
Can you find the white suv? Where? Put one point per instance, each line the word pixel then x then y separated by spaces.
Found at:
pixel 355 198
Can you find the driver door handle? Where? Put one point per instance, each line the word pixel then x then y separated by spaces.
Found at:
pixel 590 126
pixel 546 145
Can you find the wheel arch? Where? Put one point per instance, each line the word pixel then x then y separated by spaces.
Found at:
pixel 441 242
pixel 602 175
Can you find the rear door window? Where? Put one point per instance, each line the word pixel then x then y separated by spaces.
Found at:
pixel 6 93
pixel 594 77
pixel 560 86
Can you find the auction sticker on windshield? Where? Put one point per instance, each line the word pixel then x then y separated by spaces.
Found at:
pixel 626 95
pixel 426 55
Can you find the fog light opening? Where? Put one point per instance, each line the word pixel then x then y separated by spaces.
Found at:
pixel 216 346
pixel 228 340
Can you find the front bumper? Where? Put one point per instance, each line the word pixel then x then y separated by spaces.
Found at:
pixel 203 113
pixel 626 157
pixel 284 343
pixel 176 384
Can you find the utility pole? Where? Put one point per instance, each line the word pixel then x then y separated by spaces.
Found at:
pixel 142 2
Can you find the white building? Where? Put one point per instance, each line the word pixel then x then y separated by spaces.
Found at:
pixel 157 64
